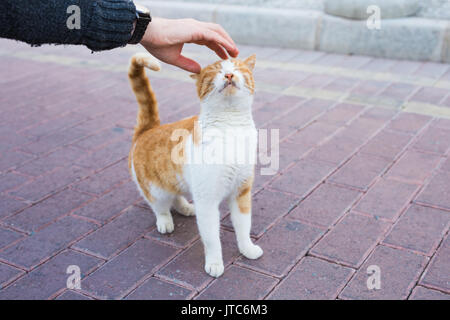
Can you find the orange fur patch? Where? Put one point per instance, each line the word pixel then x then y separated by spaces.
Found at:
pixel 244 198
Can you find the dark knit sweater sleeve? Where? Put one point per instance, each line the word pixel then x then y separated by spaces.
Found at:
pixel 104 24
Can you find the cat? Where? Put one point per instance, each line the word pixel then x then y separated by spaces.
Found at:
pixel 225 89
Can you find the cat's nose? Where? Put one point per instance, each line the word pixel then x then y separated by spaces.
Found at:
pixel 229 76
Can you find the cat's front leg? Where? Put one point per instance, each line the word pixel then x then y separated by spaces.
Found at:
pixel 208 220
pixel 241 218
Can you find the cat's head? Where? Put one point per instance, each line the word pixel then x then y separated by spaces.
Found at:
pixel 226 78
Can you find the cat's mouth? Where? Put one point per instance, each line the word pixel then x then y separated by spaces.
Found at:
pixel 231 85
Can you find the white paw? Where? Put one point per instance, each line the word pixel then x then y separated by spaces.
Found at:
pixel 214 269
pixel 252 252
pixel 164 224
pixel 186 210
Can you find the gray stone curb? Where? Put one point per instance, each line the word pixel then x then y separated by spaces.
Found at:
pixel 404 38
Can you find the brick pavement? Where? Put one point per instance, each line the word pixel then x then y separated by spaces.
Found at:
pixel 364 179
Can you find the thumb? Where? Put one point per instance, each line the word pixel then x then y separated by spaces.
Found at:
pixel 187 64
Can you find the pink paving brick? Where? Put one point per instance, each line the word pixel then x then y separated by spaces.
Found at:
pixel 186 232
pixel 313 134
pixel 334 202
pixel 430 95
pixel 187 269
pixel 313 279
pixel 45 212
pixel 30 286
pixel 387 144
pixel 399 272
pixel 341 113
pixel 351 240
pixel 303 177
pixel 422 293
pixel 60 158
pixel 268 206
pixel 446 165
pixel 105 156
pixel 360 171
pixel 12 180
pixel 420 229
pixel 103 137
pixel 229 286
pixel 336 150
pixel 8 274
pixel 288 154
pixel 398 91
pixel 9 206
pixel 316 81
pixel 42 245
pixel 409 122
pixel 8 236
pixel 386 199
pixel 154 289
pixel 72 295
pixel 434 140
pixel 369 88
pixel 12 159
pixel 106 179
pixel 341 84
pixel 50 183
pixel 414 166
pixel 119 233
pixel 283 245
pixel 436 274
pixel 109 205
pixel 432 69
pixel 120 275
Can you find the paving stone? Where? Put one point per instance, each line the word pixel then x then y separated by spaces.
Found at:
pixel 336 150
pixel 44 244
pixel 313 279
pixel 422 293
pixel 8 236
pixel 119 233
pixel 283 245
pixel 188 268
pixel 410 123
pixel 436 274
pixel 413 166
pixel 399 271
pixel 229 286
pixel 117 277
pixel 334 202
pixel 50 183
pixel 45 212
pixel 9 206
pixel 341 113
pixel 351 240
pixel 360 171
pixel 313 134
pixel 420 229
pixel 434 140
pixel 446 165
pixel 8 274
pixel 386 199
pixel 386 144
pixel 430 95
pixel 105 156
pixel 12 159
pixel 60 158
pixel 154 289
pixel 12 180
pixel 54 271
pixel 303 177
pixel 72 295
pixel 186 232
pixel 398 91
pixel 108 206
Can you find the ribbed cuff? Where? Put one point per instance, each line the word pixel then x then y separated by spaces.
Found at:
pixel 110 24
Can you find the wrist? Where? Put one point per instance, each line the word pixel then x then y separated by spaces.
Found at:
pixel 140 24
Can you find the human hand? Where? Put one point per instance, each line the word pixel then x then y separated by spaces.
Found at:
pixel 164 39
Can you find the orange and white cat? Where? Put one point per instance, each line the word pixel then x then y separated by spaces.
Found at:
pixel 226 90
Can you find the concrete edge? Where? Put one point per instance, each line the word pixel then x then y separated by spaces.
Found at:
pixel 409 38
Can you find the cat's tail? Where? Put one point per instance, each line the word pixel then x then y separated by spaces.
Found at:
pixel 148 116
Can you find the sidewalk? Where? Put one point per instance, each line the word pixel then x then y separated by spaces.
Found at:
pixel 364 180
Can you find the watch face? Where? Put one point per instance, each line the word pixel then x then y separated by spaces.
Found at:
pixel 142 9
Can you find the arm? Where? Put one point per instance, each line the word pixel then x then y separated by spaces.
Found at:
pixel 104 24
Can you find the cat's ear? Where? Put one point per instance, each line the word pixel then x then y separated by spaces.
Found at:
pixel 251 61
pixel 194 76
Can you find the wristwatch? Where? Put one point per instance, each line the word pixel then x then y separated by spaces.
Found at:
pixel 143 18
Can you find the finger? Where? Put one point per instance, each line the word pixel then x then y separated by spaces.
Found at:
pixel 187 64
pixel 219 29
pixel 217 49
pixel 213 36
